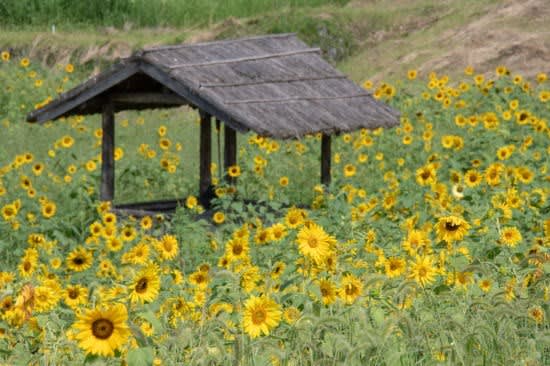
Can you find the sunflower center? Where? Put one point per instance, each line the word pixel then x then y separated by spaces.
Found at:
pixel 141 285
pixel 27 266
pixel 259 316
pixel 167 246
pixel 312 242
pixel 394 266
pixel 237 249
pixel 324 291
pixel 73 293
pixel 449 226
pixel 102 328
pixel 422 272
pixel 425 174
pixel 350 289
pixel 78 261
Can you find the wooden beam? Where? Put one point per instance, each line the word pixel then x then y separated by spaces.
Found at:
pixel 325 160
pixel 295 99
pixel 272 81
pixel 229 150
pixel 205 156
pixel 75 97
pixel 107 191
pixel 148 98
pixel 251 58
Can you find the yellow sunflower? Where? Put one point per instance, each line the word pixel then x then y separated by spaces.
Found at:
pixel 79 259
pixel 75 295
pixel 394 267
pixel 314 242
pixel 45 299
pixel 417 242
pixel 510 236
pixel 167 247
pixel 451 229
pixel 101 331
pixel 260 316
pixel 328 291
pixel 237 249
pixel 146 285
pixel 350 289
pixel 423 271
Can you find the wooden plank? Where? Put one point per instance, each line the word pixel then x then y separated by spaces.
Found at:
pixel 294 99
pixel 205 156
pixel 272 81
pixel 148 98
pixel 202 102
pixel 325 160
pixel 63 105
pixel 229 151
pixel 107 191
pixel 250 58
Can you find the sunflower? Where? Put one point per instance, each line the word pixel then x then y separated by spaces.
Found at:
pixel 314 242
pixel 295 217
pixel 349 170
pixel 75 295
pixel 109 218
pixel 510 236
pixel 137 255
pixel 146 285
pixel 394 267
pixel 101 331
pixel 128 233
pixel 417 242
pixel 423 270
pixel 79 259
pixel 146 223
pixel 472 178
pixel 167 247
pixel 237 249
pixel 29 263
pixel 45 299
pixel 114 244
pixel 485 285
pixel 9 211
pixel 218 217
pixel 328 291
pixel 260 316
pixel 278 231
pixel 537 314
pixel 451 228
pixel 350 289
pixel 234 171
pixel 199 279
pixel 48 209
pixel 426 175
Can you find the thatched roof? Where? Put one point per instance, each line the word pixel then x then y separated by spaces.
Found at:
pixel 274 85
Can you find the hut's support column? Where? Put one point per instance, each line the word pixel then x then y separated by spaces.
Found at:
pixel 107 191
pixel 230 150
pixel 205 184
pixel 325 160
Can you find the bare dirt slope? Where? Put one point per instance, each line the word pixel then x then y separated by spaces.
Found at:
pixel 514 33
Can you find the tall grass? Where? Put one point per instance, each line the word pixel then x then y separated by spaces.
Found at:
pixel 139 12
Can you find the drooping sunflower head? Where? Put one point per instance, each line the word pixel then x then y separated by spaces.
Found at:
pixel 451 229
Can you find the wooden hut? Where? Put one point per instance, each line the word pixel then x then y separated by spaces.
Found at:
pixel 274 85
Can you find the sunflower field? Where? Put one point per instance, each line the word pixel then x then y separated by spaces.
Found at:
pixel 431 245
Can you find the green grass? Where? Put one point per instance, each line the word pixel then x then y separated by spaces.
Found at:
pixel 141 12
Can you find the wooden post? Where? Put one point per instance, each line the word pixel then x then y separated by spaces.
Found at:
pixel 230 150
pixel 107 192
pixel 325 160
pixel 205 183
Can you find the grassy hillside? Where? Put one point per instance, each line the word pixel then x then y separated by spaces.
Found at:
pixel 378 39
